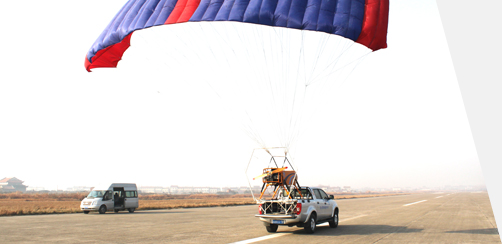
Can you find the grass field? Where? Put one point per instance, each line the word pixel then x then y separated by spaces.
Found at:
pixel 27 204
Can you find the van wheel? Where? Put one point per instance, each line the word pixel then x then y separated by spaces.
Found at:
pixel 272 228
pixel 102 209
pixel 333 223
pixel 311 224
pixel 86 212
pixel 131 210
pixel 116 210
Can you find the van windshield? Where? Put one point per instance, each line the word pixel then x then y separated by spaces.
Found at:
pixel 96 194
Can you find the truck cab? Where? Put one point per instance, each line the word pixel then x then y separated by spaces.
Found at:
pixel 111 197
pixel 304 207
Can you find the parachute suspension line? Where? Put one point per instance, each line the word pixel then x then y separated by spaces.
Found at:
pixel 304 62
pixel 296 118
pixel 291 110
pixel 251 128
pixel 213 68
pixel 147 58
pixel 282 85
pixel 281 82
pixel 226 43
pixel 340 84
pixel 294 136
pixel 197 53
pixel 260 75
pixel 268 79
pixel 356 61
pixel 187 44
pixel 293 118
pixel 319 50
pixel 333 63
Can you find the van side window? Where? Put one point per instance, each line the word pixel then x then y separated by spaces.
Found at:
pixel 131 194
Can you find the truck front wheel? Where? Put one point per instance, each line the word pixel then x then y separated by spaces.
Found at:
pixel 311 224
pixel 272 228
pixel 333 223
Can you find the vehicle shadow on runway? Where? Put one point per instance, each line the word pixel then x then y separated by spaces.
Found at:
pixel 488 231
pixel 359 230
pixel 145 212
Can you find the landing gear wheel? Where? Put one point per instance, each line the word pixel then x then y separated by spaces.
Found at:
pixel 333 223
pixel 131 210
pixel 272 228
pixel 86 212
pixel 310 225
pixel 102 209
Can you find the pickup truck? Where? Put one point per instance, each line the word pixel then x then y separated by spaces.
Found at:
pixel 313 206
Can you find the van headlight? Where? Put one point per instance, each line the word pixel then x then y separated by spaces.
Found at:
pixel 94 203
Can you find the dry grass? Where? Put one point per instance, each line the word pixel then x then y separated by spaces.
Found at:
pixel 25 207
pixel 349 196
pixel 27 204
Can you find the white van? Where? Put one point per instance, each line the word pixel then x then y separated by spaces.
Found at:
pixel 116 197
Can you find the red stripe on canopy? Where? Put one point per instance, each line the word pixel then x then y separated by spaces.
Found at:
pixel 183 11
pixel 110 56
pixel 376 18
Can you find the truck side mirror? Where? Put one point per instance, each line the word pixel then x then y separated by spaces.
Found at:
pixel 331 197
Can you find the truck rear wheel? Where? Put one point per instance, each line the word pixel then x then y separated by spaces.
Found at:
pixel 311 224
pixel 333 223
pixel 272 228
pixel 131 210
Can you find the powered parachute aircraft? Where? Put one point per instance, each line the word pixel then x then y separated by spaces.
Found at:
pixel 269 60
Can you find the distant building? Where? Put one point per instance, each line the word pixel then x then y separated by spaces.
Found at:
pixel 35 189
pixel 79 189
pixel 333 189
pixel 151 189
pixel 12 185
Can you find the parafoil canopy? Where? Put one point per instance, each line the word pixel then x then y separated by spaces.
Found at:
pixel 363 21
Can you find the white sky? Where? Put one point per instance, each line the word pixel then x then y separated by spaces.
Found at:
pixel 398 121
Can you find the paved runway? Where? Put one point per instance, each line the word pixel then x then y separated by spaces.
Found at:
pixel 417 218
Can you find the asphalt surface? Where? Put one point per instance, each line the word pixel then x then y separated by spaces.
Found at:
pixel 417 218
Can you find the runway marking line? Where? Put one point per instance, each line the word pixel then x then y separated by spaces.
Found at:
pixel 262 238
pixel 414 203
pixel 439 197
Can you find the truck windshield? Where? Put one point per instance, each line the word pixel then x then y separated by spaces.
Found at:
pixel 305 194
pixel 96 194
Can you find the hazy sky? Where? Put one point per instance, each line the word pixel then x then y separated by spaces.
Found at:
pixel 397 121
